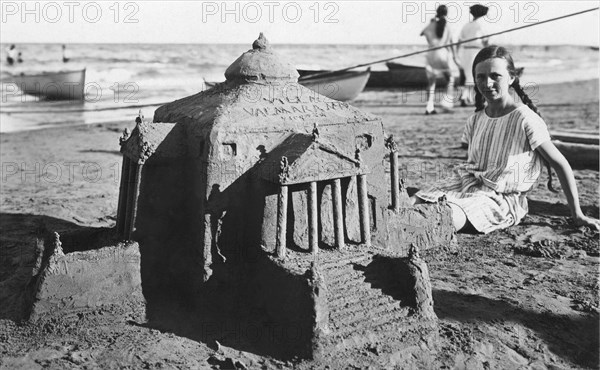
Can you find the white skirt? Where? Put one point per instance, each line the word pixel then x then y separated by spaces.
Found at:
pixel 486 209
pixel 467 57
pixel 440 62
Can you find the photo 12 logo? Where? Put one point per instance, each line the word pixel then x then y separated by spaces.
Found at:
pixel 271 11
pixel 59 172
pixel 71 11
pixel 518 11
pixel 29 89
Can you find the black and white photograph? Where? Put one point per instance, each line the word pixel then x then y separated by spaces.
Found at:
pixel 299 184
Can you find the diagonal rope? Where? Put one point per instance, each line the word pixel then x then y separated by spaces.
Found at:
pixel 320 74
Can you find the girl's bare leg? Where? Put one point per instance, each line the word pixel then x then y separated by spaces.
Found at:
pixel 459 218
pixel 416 200
pixel 430 108
pixel 448 100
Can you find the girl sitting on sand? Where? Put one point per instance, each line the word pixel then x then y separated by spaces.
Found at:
pixel 507 143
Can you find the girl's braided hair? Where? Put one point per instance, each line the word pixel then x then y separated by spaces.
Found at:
pixel 494 51
pixel 441 13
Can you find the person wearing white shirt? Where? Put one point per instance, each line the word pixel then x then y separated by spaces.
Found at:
pixel 467 51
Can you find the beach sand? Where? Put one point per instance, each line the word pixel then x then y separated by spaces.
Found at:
pixel 526 297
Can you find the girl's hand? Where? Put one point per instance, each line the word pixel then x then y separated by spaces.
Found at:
pixel 587 221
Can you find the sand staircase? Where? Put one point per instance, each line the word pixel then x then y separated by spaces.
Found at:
pixel 367 304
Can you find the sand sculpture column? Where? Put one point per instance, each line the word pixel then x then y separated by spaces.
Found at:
pixel 207 248
pixel 313 221
pixel 395 182
pixel 338 216
pixel 282 203
pixel 129 191
pixel 133 192
pixel 123 190
pixel 363 210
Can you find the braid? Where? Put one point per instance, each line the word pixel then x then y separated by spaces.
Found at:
pixel 524 97
pixel 479 100
pixel 439 28
pixel 526 100
pixel 441 13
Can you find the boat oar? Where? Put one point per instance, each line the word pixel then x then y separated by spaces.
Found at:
pixel 320 74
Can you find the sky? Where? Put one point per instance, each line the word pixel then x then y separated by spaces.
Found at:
pixel 284 22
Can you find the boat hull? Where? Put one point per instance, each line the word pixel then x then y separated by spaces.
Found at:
pixel 580 148
pixel 580 156
pixel 403 76
pixel 342 86
pixel 411 77
pixel 62 85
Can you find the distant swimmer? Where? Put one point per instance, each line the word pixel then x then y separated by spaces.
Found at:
pixel 11 55
pixel 440 62
pixel 468 50
pixel 20 58
pixel 65 54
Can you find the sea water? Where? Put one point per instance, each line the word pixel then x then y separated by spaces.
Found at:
pixel 121 79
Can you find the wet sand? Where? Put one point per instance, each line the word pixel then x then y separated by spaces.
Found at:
pixel 523 297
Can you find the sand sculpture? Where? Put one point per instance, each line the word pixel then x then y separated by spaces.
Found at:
pixel 261 193
pixel 261 171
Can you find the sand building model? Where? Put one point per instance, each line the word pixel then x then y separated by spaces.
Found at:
pixel 266 187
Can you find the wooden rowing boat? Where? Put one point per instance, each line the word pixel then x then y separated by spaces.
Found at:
pixel 581 149
pixel 580 137
pixel 404 75
pixel 342 86
pixel 397 76
pixel 409 76
pixel 579 156
pixel 60 85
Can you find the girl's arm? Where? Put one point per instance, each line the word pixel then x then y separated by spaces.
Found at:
pixel 567 181
pixel 425 29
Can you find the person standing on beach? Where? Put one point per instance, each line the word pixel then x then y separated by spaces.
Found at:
pixel 440 62
pixel 508 142
pixel 468 50
pixel 65 54
pixel 11 55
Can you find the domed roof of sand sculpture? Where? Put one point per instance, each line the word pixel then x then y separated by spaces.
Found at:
pixel 261 63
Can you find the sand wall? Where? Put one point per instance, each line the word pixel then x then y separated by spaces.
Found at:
pixel 85 280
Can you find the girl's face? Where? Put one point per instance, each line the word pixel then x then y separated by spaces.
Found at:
pixel 493 80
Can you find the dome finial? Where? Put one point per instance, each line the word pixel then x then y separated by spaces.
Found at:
pixel 261 43
pixel 261 63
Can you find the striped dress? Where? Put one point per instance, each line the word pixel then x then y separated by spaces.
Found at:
pixel 501 167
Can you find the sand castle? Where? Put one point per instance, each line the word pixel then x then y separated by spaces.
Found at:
pixel 261 193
